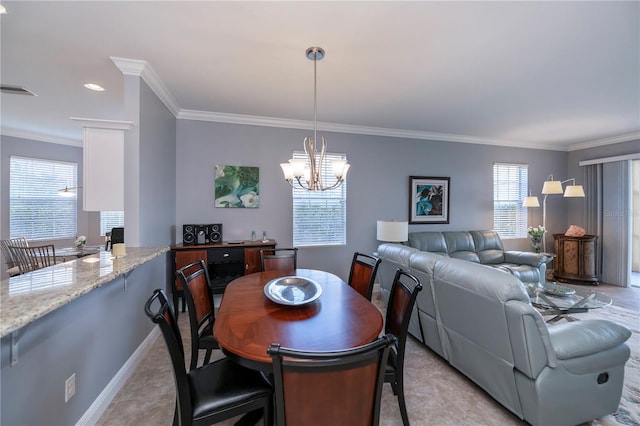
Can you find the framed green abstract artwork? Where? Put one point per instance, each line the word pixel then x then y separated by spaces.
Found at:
pixel 429 200
pixel 237 186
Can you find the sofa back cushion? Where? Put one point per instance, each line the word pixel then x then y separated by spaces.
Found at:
pixel 489 246
pixel 433 242
pixel 460 245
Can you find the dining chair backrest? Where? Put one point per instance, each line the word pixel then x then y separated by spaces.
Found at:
pixel 362 276
pixel 197 290
pixel 279 258
pixel 329 388
pixel 9 259
pixel 402 299
pixel 32 258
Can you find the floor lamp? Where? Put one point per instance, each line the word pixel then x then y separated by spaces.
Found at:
pixel 553 187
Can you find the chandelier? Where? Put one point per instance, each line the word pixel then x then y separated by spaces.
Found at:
pixel 306 173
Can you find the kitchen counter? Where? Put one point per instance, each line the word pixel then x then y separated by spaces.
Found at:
pixel 28 297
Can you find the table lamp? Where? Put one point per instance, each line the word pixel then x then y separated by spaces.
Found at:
pixel 392 231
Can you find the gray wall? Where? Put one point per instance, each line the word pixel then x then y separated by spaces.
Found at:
pixel 93 337
pixel 150 167
pixel 378 184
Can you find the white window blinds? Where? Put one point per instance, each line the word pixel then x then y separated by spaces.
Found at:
pixel 320 217
pixel 509 191
pixel 36 210
pixel 109 220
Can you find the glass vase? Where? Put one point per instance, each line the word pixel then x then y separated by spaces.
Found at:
pixel 536 243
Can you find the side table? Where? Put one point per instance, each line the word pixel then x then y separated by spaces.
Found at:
pixel 576 258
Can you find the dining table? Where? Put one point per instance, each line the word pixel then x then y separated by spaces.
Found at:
pixel 248 321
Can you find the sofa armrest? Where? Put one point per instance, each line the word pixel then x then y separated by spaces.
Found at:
pixel 526 258
pixel 586 337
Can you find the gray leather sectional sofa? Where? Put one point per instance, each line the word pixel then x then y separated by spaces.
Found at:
pixel 481 321
pixel 483 247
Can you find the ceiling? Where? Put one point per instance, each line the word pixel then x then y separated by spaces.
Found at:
pixel 553 75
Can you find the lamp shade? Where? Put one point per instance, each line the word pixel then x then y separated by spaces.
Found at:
pixel 552 187
pixel 574 191
pixel 530 202
pixel 392 231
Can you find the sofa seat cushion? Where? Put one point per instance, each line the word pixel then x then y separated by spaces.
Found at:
pixel 524 273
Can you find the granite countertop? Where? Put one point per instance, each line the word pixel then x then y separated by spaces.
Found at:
pixel 25 298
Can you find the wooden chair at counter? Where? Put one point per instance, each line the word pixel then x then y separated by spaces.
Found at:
pixel 32 258
pixel 213 392
pixel 279 258
pixel 9 259
pixel 330 388
pixel 196 286
pixel 402 298
pixel 363 273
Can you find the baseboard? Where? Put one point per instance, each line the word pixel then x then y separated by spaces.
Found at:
pixel 376 288
pixel 98 407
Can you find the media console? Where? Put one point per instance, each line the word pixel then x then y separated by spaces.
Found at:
pixel 225 261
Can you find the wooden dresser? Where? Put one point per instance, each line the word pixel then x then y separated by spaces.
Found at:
pixel 575 258
pixel 225 261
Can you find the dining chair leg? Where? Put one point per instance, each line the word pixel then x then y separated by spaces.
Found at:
pixel 403 406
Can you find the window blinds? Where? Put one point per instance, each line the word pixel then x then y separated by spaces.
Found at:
pixel 36 210
pixel 109 220
pixel 320 217
pixel 509 190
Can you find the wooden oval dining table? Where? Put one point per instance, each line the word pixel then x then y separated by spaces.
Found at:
pixel 248 322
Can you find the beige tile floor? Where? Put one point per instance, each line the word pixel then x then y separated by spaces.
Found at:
pixel 436 393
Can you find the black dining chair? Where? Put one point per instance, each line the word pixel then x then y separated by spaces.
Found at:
pixel 196 287
pixel 214 392
pixel 362 276
pixel 330 388
pixel 279 258
pixel 402 298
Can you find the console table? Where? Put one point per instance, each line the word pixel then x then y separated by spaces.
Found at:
pixel 225 261
pixel 576 258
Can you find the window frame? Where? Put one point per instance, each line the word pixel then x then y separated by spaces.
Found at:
pixel 34 182
pixel 327 232
pixel 510 225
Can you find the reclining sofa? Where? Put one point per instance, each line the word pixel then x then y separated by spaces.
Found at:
pixel 481 321
pixel 483 247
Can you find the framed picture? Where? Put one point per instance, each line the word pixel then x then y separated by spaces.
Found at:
pixel 237 186
pixel 429 199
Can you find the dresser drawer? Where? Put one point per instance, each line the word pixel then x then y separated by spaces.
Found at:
pixel 226 254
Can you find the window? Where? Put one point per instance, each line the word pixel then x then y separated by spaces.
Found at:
pixel 320 217
pixel 110 220
pixel 509 191
pixel 36 210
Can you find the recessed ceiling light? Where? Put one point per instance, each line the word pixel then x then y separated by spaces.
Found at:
pixel 3 10
pixel 95 87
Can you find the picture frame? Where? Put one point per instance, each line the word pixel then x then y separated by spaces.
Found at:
pixel 428 199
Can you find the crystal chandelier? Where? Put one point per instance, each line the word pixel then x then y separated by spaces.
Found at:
pixel 306 173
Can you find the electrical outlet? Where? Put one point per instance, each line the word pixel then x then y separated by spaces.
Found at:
pixel 69 387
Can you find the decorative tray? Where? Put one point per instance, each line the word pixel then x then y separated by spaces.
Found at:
pixel 557 290
pixel 292 290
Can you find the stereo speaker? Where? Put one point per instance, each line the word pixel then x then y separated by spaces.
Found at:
pixel 201 234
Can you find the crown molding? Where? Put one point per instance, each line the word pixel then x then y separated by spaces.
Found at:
pixel 97 123
pixel 251 120
pixel 16 133
pixel 142 69
pixel 606 141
